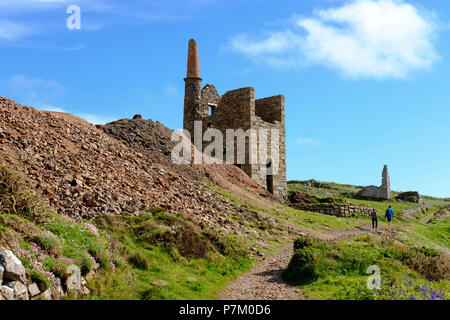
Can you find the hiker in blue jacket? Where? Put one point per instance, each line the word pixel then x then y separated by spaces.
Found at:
pixel 389 214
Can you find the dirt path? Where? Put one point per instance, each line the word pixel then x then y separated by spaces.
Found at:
pixel 264 281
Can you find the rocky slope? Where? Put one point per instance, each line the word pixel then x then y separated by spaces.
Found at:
pixel 85 172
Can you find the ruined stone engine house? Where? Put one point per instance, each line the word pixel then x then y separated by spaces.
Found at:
pixel 238 109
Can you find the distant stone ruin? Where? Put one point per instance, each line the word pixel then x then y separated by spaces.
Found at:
pixel 383 192
pixel 239 110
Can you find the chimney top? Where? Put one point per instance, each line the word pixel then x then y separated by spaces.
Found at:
pixel 193 69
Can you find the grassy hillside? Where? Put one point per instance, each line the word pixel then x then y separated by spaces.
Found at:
pixel 197 262
pixel 412 256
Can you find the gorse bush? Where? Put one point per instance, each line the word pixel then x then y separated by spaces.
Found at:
pixel 302 268
pixel 425 261
pixel 16 197
pixel 302 242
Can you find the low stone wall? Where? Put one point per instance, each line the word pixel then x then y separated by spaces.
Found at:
pixel 16 284
pixel 334 209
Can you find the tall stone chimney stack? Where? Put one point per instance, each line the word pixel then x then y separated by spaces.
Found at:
pixel 193 68
pixel 193 89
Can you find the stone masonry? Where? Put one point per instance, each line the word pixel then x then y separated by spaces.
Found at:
pixel 238 109
pixel 382 192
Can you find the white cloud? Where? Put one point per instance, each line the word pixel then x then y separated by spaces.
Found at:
pixel 96 119
pixel 363 38
pixel 21 82
pixel 308 142
pixel 33 91
pixel 11 30
pixel 49 107
pixel 89 117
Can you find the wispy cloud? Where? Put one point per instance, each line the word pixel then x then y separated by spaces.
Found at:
pixel 10 30
pixel 89 117
pixel 34 91
pixel 23 18
pixel 95 118
pixel 363 38
pixel 308 142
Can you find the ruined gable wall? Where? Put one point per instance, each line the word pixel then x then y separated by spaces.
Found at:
pixel 210 96
pixel 271 109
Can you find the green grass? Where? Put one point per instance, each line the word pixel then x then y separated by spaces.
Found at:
pixel 141 260
pixel 302 219
pixel 325 270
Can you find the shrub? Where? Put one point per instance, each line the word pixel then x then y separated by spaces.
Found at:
pixel 431 267
pixel 191 244
pixel 301 268
pixel 17 198
pixel 302 242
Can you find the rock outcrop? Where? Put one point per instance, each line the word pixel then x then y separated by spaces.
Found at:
pixel 410 196
pixel 16 284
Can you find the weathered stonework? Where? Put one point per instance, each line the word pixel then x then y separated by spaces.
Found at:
pixel 382 192
pixel 334 210
pixel 238 109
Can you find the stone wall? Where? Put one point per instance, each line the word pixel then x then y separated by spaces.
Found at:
pixel 210 97
pixel 270 114
pixel 334 209
pixel 16 284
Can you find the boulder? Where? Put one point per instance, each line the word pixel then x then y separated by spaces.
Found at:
pixel 84 291
pixel 410 196
pixel 73 282
pixel 13 267
pixel 6 293
pixel 56 290
pixel 1 275
pixel 46 295
pixel 20 290
pixel 160 283
pixel 33 289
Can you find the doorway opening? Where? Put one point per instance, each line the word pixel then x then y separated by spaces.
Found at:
pixel 269 176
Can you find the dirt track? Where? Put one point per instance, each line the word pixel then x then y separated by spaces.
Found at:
pixel 264 281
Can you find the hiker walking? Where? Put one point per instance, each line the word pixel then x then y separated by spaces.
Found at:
pixel 389 214
pixel 374 216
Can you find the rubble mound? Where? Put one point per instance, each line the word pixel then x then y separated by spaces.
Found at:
pixel 410 196
pixel 84 172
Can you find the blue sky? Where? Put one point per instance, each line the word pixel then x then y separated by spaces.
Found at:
pixel 366 81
